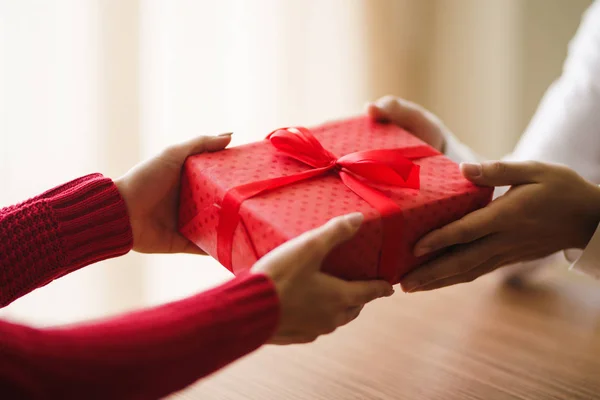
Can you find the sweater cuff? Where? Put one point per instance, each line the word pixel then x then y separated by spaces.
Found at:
pixel 62 230
pixel 92 220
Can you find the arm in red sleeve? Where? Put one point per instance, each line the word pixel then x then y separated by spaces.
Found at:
pixel 64 229
pixel 143 355
pixel 146 354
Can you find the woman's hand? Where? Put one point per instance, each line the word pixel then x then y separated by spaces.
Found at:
pixel 548 208
pixel 312 302
pixel 412 117
pixel 151 193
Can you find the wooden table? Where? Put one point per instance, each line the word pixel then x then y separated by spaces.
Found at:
pixel 483 340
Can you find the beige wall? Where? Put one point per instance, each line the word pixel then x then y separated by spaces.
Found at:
pixel 482 65
pixel 513 49
pixel 546 27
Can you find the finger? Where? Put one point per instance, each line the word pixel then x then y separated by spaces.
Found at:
pixel 376 113
pixel 200 144
pixel 191 248
pixel 307 251
pixel 207 143
pixel 458 261
pixel 410 116
pixel 469 276
pixel 296 339
pixel 358 293
pixel 317 243
pixel 469 228
pixel 503 173
pixel 398 111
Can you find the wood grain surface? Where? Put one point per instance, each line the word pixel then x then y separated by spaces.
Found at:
pixel 484 340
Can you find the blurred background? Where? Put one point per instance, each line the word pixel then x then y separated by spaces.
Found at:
pixel 98 85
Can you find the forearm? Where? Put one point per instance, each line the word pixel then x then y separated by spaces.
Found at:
pixel 64 229
pixel 146 354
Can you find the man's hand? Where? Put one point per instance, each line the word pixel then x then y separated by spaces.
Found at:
pixel 548 208
pixel 151 193
pixel 312 302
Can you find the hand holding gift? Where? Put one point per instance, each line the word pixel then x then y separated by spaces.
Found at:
pixel 548 208
pixel 313 303
pixel 150 191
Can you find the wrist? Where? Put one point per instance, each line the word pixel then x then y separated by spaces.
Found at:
pixel 274 278
pixel 121 186
pixel 92 219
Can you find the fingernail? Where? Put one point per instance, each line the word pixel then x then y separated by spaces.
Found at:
pixel 355 219
pixel 411 282
pixel 389 292
pixel 471 170
pixel 225 134
pixel 410 286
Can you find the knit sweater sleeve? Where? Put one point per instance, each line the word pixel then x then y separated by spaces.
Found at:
pixel 64 229
pixel 144 355
pixel 141 355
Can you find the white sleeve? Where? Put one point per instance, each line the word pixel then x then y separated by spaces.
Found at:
pixel 587 261
pixel 566 126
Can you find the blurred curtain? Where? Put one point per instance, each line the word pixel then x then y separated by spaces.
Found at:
pixel 98 85
pixel 69 105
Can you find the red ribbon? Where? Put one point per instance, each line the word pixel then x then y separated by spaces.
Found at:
pixel 388 167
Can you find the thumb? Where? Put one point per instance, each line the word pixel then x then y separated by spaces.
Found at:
pixel 359 293
pixel 502 173
pixel 307 251
pixel 200 144
pixel 208 143
pixel 319 242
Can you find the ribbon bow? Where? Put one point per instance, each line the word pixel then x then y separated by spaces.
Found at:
pixel 357 171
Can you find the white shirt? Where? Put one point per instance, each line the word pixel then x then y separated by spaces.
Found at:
pixel 566 126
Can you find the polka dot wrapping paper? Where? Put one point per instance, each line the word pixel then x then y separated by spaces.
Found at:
pixel 279 215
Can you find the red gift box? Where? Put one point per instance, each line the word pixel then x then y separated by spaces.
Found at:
pixel 240 203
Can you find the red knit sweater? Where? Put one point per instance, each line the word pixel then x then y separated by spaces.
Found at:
pixel 146 354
